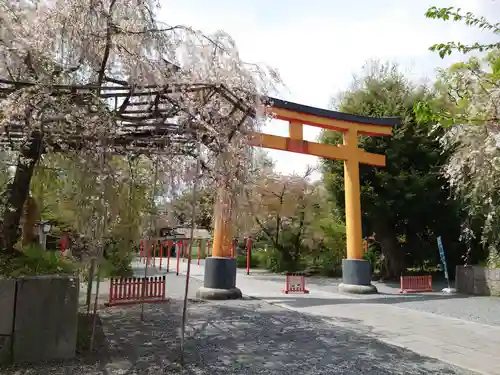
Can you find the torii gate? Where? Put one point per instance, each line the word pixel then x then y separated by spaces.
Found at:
pixel 220 279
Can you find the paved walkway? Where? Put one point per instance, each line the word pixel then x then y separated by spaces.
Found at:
pixel 467 344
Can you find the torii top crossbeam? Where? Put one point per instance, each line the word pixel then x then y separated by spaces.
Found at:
pixel 298 115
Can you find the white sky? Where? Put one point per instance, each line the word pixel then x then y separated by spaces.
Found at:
pixel 317 45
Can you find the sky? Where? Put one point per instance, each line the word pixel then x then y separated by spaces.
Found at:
pixel 318 45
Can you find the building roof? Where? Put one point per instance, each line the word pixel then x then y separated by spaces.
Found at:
pixel 198 233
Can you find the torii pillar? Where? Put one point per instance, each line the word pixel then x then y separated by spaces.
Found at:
pixel 356 272
pixel 220 269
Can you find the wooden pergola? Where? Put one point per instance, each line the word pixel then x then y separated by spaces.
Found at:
pixel 149 119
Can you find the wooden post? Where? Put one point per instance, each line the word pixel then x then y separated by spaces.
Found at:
pixel 248 246
pixel 222 243
pixel 352 196
pixel 169 250
pixel 161 254
pixel 199 250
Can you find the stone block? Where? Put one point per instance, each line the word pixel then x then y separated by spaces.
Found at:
pixel 480 273
pixel 478 280
pixel 7 303
pixel 46 321
pixel 481 288
pixel 495 274
pixel 464 279
pixel 5 350
pixel 494 288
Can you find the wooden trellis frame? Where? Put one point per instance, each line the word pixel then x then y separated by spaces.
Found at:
pixel 144 116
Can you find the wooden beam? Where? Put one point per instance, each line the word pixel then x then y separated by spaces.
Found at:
pixel 322 150
pixel 327 123
pixel 299 146
pixel 370 158
pixel 296 130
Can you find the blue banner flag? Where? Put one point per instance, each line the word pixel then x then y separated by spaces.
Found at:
pixel 442 256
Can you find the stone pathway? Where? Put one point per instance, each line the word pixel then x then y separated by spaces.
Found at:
pixel 457 341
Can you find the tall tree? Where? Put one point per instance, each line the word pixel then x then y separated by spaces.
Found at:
pixel 98 43
pixel 290 213
pixel 466 106
pixel 405 203
pixel 66 189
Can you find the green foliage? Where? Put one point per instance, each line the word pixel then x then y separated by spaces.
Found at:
pixel 465 106
pixel 463 93
pixel 181 208
pixel 373 255
pixel 469 19
pixel 255 260
pixel 119 256
pixel 68 189
pixel 274 262
pixel 34 260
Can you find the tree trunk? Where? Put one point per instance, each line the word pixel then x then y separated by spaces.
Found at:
pixel 18 191
pixel 394 258
pixel 29 219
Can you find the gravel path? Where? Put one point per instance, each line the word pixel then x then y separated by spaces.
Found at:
pixel 238 337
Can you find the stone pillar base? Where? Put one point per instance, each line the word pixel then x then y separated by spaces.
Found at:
pixel 356 277
pixel 220 280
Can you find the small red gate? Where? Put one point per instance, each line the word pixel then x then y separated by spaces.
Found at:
pixel 295 283
pixel 134 290
pixel 415 284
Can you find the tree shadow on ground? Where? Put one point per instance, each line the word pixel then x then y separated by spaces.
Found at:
pixel 240 337
pixel 380 298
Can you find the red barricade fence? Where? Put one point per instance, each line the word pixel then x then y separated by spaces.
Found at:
pixel 131 291
pixel 415 284
pixel 295 283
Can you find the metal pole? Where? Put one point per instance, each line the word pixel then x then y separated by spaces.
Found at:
pixel 149 237
pixel 193 223
pixel 101 251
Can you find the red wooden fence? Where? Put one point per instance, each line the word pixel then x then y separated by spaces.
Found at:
pixel 131 291
pixel 295 283
pixel 178 254
pixel 415 284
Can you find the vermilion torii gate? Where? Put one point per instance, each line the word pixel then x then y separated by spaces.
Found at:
pixel 356 272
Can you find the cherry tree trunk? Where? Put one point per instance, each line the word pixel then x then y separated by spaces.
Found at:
pixel 18 191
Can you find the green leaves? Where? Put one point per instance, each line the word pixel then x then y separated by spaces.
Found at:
pixel 469 19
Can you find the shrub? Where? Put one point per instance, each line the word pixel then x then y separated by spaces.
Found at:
pixel 274 261
pixel 373 256
pixel 326 263
pixel 255 261
pixel 35 260
pixel 119 258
